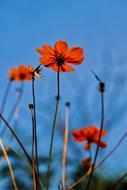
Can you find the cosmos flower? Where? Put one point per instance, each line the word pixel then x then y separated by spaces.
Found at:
pixel 12 74
pixel 60 55
pixel 23 73
pixel 90 135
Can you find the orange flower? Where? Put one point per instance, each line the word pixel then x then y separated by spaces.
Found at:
pixel 22 73
pixel 90 135
pixel 60 55
pixel 12 74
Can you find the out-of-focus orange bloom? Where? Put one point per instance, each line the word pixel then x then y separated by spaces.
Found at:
pixel 60 55
pixel 90 135
pixel 22 73
pixel 12 73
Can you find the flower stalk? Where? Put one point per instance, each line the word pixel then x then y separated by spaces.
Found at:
pixel 33 143
pixel 101 89
pixel 53 130
pixel 65 149
pixel 35 139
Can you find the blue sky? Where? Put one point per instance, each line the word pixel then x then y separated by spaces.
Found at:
pixel 97 26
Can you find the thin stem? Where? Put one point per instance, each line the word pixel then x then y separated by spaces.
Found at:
pixel 77 182
pixel 33 142
pixel 97 150
pixel 19 142
pixel 35 131
pixel 53 130
pixel 5 97
pixel 9 165
pixel 118 181
pixel 101 162
pixel 17 139
pixel 65 150
pixel 90 153
pixel 112 151
pixel 19 95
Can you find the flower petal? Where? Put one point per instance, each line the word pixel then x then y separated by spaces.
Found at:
pixel 102 144
pixel 104 132
pixel 84 131
pixel 12 74
pixel 87 146
pixel 45 50
pixel 60 47
pixel 92 131
pixel 77 136
pixel 75 55
pixel 46 61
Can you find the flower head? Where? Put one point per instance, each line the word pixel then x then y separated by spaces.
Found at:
pixel 22 73
pixel 12 73
pixel 90 135
pixel 60 55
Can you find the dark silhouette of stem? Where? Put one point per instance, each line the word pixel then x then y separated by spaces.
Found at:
pixel 118 181
pixel 99 140
pixel 101 162
pixel 19 142
pixel 112 151
pixel 33 143
pixel 53 129
pixel 17 139
pixel 35 132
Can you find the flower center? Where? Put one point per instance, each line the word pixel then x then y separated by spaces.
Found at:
pixel 22 76
pixel 60 60
pixel 89 139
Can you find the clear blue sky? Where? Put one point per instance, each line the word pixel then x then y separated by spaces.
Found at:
pixel 99 27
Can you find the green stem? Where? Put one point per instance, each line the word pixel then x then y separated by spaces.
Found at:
pixel 97 150
pixel 53 129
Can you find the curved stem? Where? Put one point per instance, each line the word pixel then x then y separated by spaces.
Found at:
pixel 101 162
pixel 53 129
pixel 9 165
pixel 112 151
pixel 97 150
pixel 77 182
pixel 17 139
pixel 19 142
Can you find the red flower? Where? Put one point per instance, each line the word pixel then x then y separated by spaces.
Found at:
pixel 23 73
pixel 90 135
pixel 60 55
pixel 12 73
